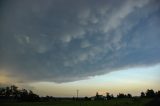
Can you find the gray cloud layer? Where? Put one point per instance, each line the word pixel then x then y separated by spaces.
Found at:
pixel 59 40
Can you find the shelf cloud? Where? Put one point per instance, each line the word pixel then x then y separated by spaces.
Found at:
pixel 68 40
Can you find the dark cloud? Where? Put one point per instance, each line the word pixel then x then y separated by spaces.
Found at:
pixel 60 41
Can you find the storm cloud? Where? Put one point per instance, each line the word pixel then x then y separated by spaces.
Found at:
pixel 68 40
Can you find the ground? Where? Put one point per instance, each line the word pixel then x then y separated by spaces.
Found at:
pixel 114 102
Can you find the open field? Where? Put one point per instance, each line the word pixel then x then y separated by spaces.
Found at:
pixel 114 102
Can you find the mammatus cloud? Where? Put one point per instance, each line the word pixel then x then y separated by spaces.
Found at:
pixel 60 41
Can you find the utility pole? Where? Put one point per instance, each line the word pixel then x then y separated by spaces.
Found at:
pixel 77 93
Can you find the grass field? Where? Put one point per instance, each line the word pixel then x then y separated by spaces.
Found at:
pixel 114 102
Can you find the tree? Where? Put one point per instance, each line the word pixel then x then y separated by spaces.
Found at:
pixel 13 93
pixel 142 94
pixel 121 95
pixel 150 93
pixel 7 92
pixel 112 96
pixel 108 96
pixel 97 95
pixel 157 94
pixel 129 95
pixel 32 96
pixel 86 98
pixel 2 92
pixel 24 94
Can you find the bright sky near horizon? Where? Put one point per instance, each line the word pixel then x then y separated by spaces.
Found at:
pixel 132 81
pixel 129 80
pixel 57 46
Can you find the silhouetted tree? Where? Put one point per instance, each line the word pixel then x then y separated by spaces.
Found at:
pixel 121 95
pixel 112 96
pixel 150 93
pixel 142 94
pixel 108 96
pixel 13 93
pixel 129 95
pixel 99 97
pixel 7 92
pixel 32 96
pixel 2 91
pixel 86 98
pixel 157 94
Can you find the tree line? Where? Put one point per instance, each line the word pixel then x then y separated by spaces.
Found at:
pixel 13 93
pixel 150 93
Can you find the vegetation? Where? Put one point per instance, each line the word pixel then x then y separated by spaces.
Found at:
pixel 12 96
pixel 12 93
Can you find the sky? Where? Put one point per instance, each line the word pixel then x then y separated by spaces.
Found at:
pixel 57 46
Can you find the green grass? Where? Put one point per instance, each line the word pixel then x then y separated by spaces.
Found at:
pixel 114 102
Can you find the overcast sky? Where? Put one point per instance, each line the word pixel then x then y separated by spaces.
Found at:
pixel 63 41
